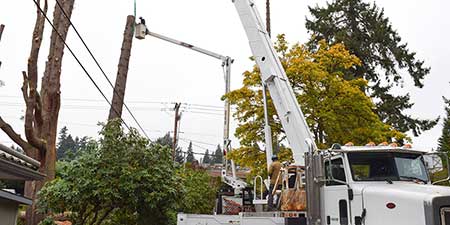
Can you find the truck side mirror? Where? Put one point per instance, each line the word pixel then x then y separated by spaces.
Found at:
pixel 438 167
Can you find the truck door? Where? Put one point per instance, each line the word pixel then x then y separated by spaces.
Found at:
pixel 335 201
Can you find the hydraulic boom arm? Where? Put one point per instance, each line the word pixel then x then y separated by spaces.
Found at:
pixel 142 31
pixel 274 76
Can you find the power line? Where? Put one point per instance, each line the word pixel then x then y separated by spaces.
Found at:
pixel 202 107
pixel 101 69
pixel 76 58
pixel 205 113
pixel 195 153
pixel 90 125
pixel 193 144
pixel 95 107
pixel 200 142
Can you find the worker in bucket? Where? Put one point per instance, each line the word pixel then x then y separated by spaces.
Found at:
pixel 275 180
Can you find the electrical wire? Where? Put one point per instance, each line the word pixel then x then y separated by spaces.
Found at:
pixel 101 69
pixel 199 142
pixel 94 107
pixel 78 61
pixel 206 107
pixel 193 144
pixel 90 77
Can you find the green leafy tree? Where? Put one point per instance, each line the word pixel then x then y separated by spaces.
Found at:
pixel 444 140
pixel 336 109
pixel 368 34
pixel 200 193
pixel 190 154
pixel 119 179
pixel 218 155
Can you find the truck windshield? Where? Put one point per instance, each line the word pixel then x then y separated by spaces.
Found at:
pixel 387 166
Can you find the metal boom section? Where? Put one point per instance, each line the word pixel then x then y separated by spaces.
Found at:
pixel 274 77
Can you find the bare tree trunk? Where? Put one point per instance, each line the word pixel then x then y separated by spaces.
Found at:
pixel 41 117
pixel 32 217
pixel 41 114
pixel 122 71
pixel 268 17
pixel 2 27
pixel 51 83
pixel 42 109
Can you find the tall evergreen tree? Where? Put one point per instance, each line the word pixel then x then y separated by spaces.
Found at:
pixel 190 153
pixel 367 33
pixel 218 155
pixel 444 140
pixel 68 147
pixel 167 140
pixel 206 157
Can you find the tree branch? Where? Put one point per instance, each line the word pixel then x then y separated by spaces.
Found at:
pixel 38 121
pixel 96 209
pixel 105 215
pixel 30 102
pixel 15 136
pixel 33 114
pixel 88 214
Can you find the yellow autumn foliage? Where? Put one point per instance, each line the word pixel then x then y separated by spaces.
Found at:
pixel 336 107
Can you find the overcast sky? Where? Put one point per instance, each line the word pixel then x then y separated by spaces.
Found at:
pixel 162 73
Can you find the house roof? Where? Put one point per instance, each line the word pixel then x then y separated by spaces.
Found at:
pixel 8 196
pixel 17 166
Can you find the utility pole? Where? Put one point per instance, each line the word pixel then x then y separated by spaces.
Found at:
pixel 122 71
pixel 175 129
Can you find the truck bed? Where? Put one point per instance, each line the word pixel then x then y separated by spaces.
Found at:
pixel 264 218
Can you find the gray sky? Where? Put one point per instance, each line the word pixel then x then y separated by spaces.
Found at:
pixel 163 73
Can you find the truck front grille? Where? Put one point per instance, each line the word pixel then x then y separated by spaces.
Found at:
pixel 445 216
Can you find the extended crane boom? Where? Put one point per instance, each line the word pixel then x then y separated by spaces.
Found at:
pixel 187 45
pixel 142 31
pixel 274 77
pixel 327 190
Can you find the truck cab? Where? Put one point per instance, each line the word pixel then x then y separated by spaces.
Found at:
pixel 381 184
pixel 345 185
